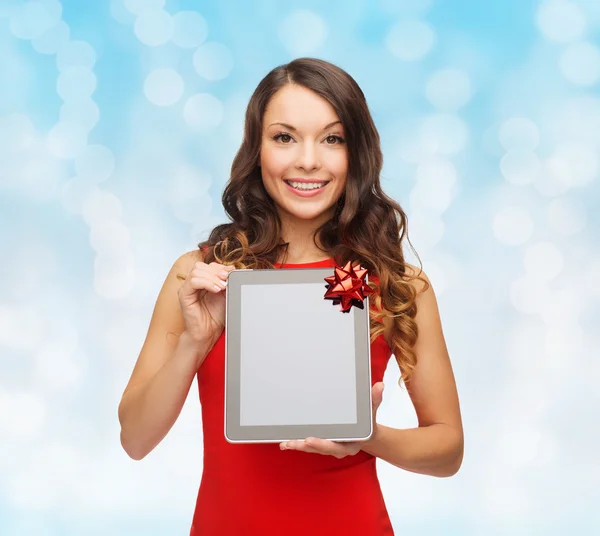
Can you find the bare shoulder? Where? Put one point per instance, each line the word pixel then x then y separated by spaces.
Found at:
pixel 186 261
pixel 417 278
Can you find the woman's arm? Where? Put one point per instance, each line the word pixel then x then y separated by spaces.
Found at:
pixel 436 446
pixel 163 373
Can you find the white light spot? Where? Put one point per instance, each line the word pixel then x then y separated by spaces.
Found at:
pixel 592 272
pixel 65 140
pixel 519 133
pixel 410 40
pixel 513 225
pixel 528 294
pixel 110 237
pixel 448 89
pixel 440 170
pixel 137 7
pixel 427 230
pixel 434 187
pixel 40 175
pixel 579 120
pixel 580 64
pixel 81 112
pixel 163 86
pixel 95 163
pixel 554 179
pixel 76 54
pixel 53 7
pixel 120 13
pixel 188 195
pixel 543 260
pixel 411 7
pixel 567 216
pixel 154 28
pixel 193 209
pixel 560 21
pixel 114 275
pixel 32 19
pixel 73 194
pixel 302 32
pixel 57 365
pixel 576 163
pixel 562 307
pixel 52 40
pixel 447 133
pixel 20 327
pixel 564 338
pixel 213 61
pixel 22 415
pixel 520 166
pixel 16 132
pixel 203 112
pixel 100 206
pixel 189 29
pixel 75 83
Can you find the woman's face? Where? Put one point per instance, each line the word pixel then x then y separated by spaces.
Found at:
pixel 303 155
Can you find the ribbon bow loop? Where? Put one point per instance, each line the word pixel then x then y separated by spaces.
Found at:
pixel 347 287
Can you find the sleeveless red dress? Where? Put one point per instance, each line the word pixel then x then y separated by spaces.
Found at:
pixel 259 490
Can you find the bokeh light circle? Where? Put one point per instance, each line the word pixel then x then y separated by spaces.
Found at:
pixel 163 86
pixel 203 112
pixel 566 216
pixel 190 29
pixel 512 225
pixel 519 133
pixel 213 61
pixel 543 261
pixel 520 166
pixel 154 28
pixel 410 39
pixel 580 64
pixel 448 89
pixel 560 20
pixel 302 32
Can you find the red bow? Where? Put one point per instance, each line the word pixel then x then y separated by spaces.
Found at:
pixel 348 287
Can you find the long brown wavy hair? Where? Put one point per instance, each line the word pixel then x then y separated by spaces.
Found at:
pixel 367 227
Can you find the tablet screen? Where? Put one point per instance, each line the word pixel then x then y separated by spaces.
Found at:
pixel 306 378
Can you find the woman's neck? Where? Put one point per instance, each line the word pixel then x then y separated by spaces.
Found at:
pixel 299 235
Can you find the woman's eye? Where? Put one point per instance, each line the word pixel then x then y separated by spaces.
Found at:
pixel 283 138
pixel 332 140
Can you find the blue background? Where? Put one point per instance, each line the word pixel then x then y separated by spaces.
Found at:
pixel 118 123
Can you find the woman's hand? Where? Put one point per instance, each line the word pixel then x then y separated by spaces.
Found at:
pixel 333 448
pixel 202 301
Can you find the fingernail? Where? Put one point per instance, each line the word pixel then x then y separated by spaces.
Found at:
pixel 223 274
pixel 223 283
pixel 282 446
pixel 217 287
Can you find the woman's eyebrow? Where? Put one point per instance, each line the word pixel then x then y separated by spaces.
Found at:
pixel 290 127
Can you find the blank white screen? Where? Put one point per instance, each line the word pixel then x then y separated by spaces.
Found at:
pixel 297 357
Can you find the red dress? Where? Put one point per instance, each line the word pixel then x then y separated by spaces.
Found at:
pixel 259 490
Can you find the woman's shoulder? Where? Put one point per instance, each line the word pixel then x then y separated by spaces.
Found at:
pixel 186 261
pixel 416 276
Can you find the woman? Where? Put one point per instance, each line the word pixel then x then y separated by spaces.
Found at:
pixel 304 192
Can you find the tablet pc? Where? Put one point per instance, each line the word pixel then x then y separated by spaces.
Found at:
pixel 296 366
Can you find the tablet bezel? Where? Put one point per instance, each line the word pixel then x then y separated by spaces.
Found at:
pixel 234 432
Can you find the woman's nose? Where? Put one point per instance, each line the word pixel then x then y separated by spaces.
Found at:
pixel 308 158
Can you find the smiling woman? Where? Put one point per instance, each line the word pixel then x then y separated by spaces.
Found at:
pixel 304 191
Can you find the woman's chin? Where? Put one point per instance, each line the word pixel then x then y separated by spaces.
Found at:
pixel 306 213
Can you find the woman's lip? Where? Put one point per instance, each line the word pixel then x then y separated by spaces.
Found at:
pixel 305 180
pixel 305 193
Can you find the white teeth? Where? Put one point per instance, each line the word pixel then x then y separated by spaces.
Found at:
pixel 306 185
